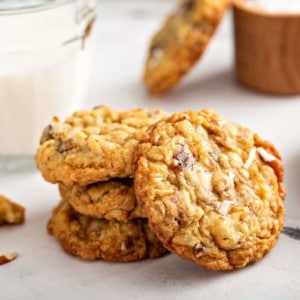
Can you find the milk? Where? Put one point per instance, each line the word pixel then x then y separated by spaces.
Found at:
pixel 39 77
pixel 277 6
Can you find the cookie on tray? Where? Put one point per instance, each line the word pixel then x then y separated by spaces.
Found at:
pixel 111 200
pixel 10 212
pixel 181 41
pixel 92 145
pixel 92 238
pixel 212 190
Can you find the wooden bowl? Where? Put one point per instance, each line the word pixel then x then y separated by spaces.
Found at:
pixel 267 49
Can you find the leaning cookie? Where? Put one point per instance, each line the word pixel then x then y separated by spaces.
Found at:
pixel 10 212
pixel 91 238
pixel 111 200
pixel 181 41
pixel 93 145
pixel 213 190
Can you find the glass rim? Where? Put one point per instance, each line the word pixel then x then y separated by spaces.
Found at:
pixel 19 7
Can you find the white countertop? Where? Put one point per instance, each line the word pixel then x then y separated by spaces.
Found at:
pixel 44 271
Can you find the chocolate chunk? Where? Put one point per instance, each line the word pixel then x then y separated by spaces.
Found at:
pixel 185 160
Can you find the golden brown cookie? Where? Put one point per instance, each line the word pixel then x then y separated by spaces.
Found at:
pixel 93 145
pixel 10 212
pixel 92 238
pixel 181 41
pixel 213 190
pixel 111 200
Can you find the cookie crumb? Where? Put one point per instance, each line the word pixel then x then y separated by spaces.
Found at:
pixel 265 155
pixel 250 158
pixel 10 212
pixel 6 258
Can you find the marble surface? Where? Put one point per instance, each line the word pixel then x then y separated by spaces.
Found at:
pixel 44 271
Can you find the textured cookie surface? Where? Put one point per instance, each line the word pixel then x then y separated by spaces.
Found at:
pixel 112 200
pixel 212 189
pixel 10 212
pixel 180 42
pixel 93 145
pixel 92 238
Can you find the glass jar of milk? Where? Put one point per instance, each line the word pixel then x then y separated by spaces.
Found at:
pixel 44 68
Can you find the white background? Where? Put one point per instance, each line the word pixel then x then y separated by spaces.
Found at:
pixel 44 271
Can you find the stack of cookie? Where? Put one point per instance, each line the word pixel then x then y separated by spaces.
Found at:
pixel 91 156
pixel 211 190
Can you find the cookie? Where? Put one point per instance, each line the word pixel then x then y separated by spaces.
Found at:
pixel 92 238
pixel 111 200
pixel 213 190
pixel 92 145
pixel 181 41
pixel 10 212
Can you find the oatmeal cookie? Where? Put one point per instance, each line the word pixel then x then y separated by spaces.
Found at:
pixel 10 212
pixel 213 190
pixel 111 200
pixel 92 145
pixel 92 238
pixel 181 41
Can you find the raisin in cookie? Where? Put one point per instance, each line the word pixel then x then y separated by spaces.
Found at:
pixel 10 212
pixel 181 41
pixel 111 200
pixel 213 190
pixel 92 145
pixel 92 238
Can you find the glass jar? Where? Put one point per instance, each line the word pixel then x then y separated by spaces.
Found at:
pixel 44 71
